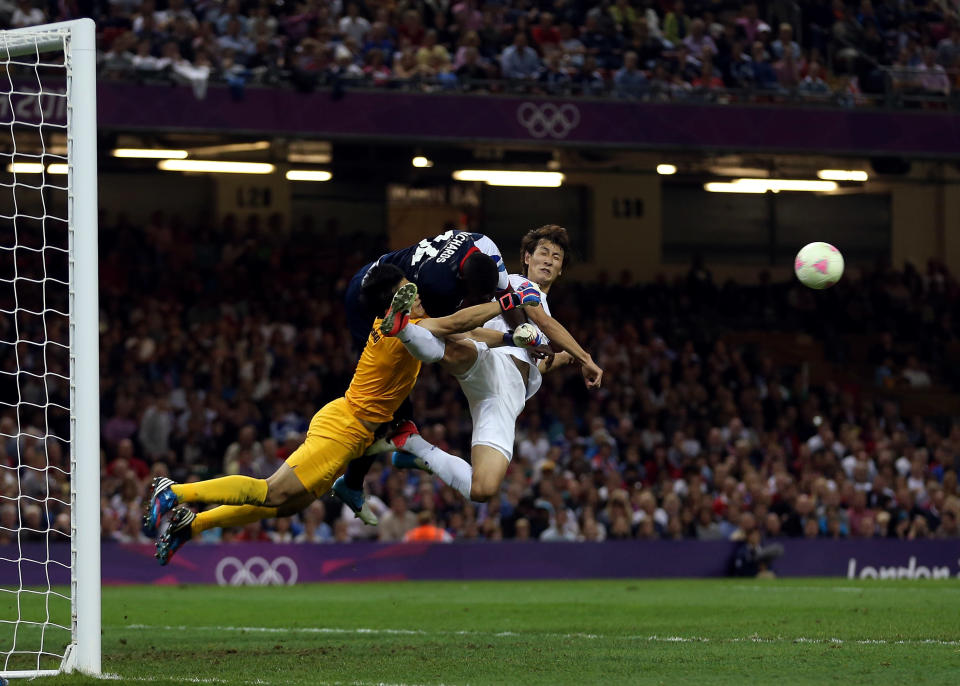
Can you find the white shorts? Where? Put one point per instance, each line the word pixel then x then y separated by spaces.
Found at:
pixel 496 393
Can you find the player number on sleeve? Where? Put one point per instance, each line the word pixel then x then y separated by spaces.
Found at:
pixel 424 247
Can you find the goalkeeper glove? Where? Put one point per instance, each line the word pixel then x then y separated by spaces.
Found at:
pixel 525 297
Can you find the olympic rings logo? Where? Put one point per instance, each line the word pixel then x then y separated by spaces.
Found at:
pixel 256 571
pixel 555 121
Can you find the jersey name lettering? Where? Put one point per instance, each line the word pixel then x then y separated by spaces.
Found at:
pixel 450 248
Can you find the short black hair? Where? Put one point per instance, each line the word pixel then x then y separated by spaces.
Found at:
pixel 378 286
pixel 550 232
pixel 480 275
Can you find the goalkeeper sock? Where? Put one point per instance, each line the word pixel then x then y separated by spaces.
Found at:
pixel 230 515
pixel 357 471
pixel 422 344
pixel 451 469
pixel 227 490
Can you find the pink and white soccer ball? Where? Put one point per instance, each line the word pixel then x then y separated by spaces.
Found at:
pixel 818 265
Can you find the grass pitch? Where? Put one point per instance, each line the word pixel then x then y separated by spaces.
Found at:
pixel 565 632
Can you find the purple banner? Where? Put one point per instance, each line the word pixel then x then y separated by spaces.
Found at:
pixel 418 117
pixel 265 564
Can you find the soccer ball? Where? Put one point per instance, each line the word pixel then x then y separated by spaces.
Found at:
pixel 524 336
pixel 818 265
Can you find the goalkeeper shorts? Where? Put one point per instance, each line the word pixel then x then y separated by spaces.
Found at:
pixel 334 438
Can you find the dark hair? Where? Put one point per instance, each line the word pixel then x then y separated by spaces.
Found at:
pixel 378 286
pixel 550 232
pixel 480 275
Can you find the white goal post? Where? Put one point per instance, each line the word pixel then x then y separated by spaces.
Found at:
pixel 49 352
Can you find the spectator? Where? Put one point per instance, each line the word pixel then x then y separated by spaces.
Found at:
pixel 785 39
pixel 471 70
pixel 545 34
pixel 698 41
pixel 553 77
pixel 431 51
pixel 375 69
pixel 623 15
pixel 355 26
pixel 571 46
pixel 315 529
pixel 242 453
pixel 648 47
pixel 395 524
pixel 407 66
pixel 27 15
pixel 379 39
pixel 740 72
pixel 763 77
pixel 813 82
pixel 932 76
pixel 589 79
pixel 788 69
pixel 234 39
pixel 748 23
pixel 519 60
pixel 427 530
pixel 707 80
pixel 676 24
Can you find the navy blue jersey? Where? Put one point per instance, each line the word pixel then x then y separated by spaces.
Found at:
pixel 434 265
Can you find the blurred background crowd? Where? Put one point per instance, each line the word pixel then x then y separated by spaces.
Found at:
pixel 840 51
pixel 698 432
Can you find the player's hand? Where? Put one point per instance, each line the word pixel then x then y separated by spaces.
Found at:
pixel 525 297
pixel 542 352
pixel 592 374
pixel 560 359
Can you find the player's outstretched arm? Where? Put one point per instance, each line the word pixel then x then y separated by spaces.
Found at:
pixel 470 318
pixel 556 332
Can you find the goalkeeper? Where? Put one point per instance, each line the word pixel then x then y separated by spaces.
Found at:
pixel 341 431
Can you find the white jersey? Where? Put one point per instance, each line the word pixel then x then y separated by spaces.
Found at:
pixel 534 380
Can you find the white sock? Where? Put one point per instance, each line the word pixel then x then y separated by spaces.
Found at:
pixel 422 344
pixel 451 469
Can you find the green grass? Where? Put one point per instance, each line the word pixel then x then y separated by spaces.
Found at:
pixel 579 632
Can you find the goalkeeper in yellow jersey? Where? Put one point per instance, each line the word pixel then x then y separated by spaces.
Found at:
pixel 341 431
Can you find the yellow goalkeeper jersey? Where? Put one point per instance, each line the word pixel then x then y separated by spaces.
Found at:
pixel 385 375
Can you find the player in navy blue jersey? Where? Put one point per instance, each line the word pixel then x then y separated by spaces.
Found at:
pixel 454 269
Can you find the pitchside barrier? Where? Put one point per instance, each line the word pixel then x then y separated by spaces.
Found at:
pixel 277 564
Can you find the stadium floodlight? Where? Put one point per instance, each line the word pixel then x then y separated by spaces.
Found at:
pixel 58 168
pixel 149 153
pixel 308 175
pixel 494 177
pixel 774 185
pixel 421 162
pixel 842 175
pixel 227 148
pixel 49 277
pixel 216 166
pixel 25 167
pixel 666 169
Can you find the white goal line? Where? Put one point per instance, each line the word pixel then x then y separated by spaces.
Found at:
pixel 650 638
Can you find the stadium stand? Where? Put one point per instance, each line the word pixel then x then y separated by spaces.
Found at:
pixel 841 53
pixel 704 429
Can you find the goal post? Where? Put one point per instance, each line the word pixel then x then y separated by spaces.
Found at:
pixel 49 352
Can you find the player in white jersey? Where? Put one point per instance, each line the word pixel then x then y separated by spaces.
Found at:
pixel 496 381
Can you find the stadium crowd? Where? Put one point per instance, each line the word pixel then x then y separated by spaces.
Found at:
pixel 690 437
pixel 835 50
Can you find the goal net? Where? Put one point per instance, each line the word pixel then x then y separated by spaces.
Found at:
pixel 49 395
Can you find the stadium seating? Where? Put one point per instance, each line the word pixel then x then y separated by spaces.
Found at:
pixel 699 421
pixel 881 52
